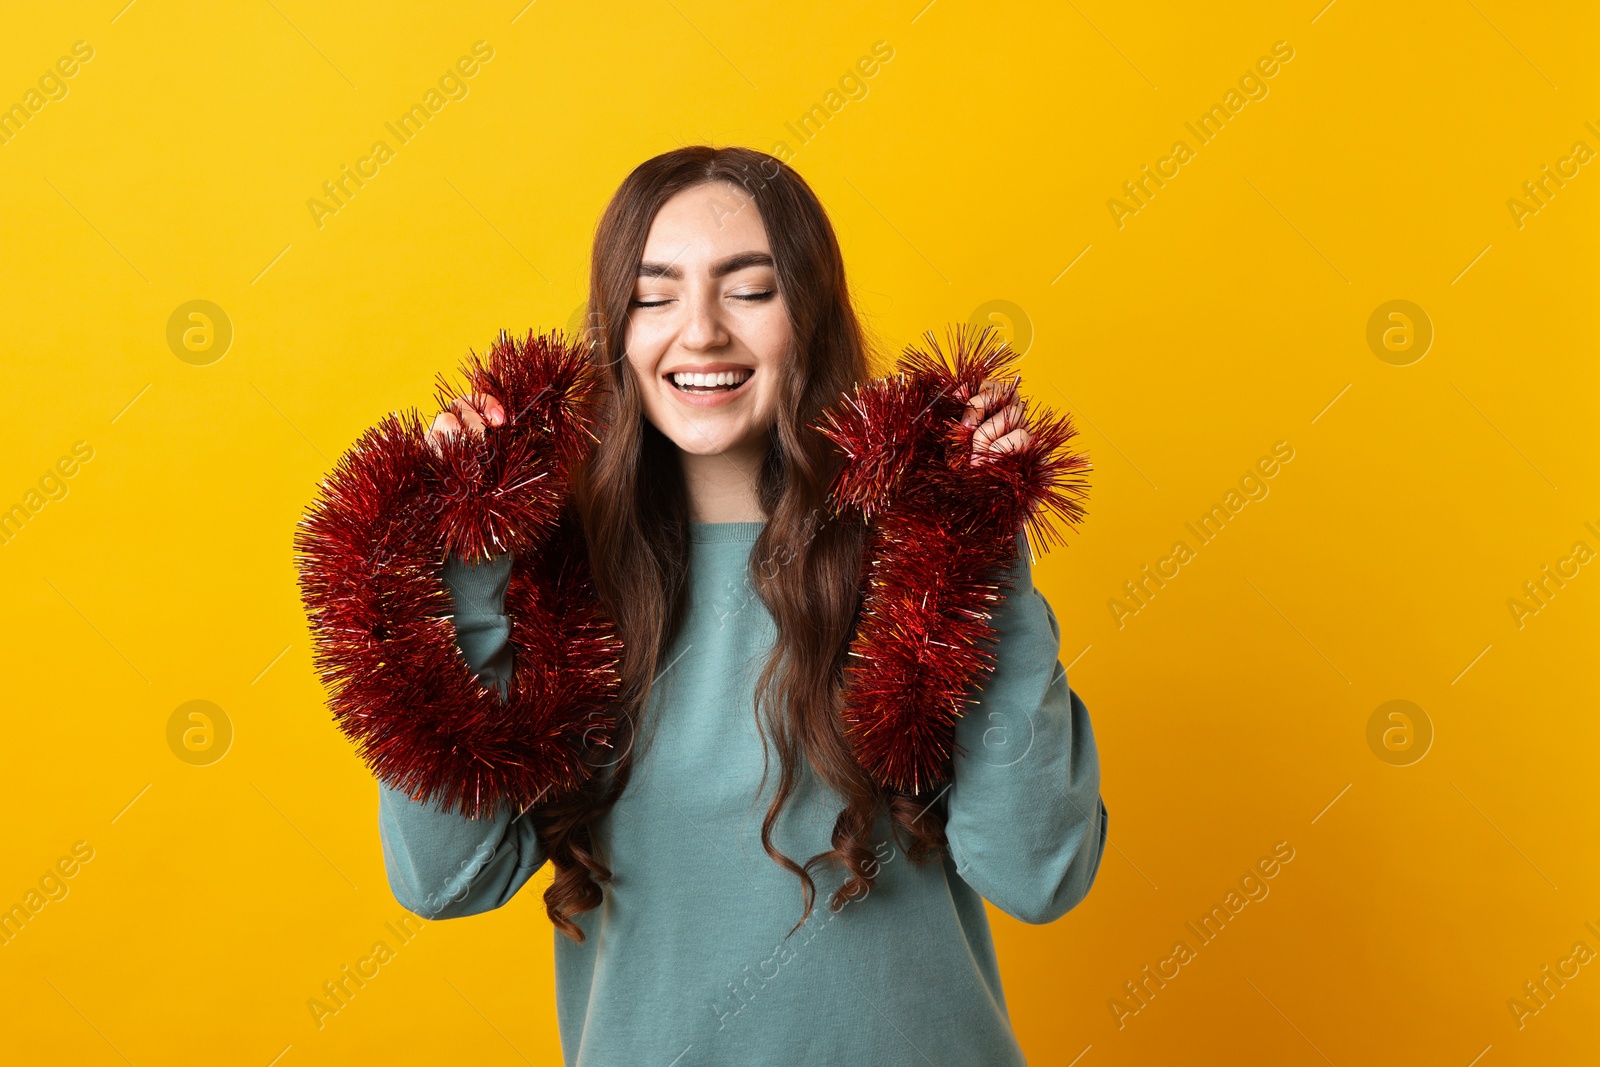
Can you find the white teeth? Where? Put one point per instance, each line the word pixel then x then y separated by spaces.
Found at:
pixel 707 380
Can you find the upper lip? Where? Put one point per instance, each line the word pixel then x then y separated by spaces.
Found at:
pixel 706 368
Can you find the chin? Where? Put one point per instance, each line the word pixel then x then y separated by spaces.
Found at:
pixel 710 437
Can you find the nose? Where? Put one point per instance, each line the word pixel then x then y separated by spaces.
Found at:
pixel 703 331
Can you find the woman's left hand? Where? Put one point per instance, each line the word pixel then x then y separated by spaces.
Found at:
pixel 992 436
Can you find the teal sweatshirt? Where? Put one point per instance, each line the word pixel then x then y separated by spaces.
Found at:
pixel 687 962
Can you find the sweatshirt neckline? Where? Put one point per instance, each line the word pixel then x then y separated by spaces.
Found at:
pixel 708 532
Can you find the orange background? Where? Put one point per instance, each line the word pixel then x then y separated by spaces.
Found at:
pixel 975 165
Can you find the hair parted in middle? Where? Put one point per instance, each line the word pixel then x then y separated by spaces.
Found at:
pixel 805 565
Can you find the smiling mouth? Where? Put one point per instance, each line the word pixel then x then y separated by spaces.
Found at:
pixel 707 384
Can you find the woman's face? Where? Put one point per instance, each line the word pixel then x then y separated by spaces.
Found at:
pixel 708 331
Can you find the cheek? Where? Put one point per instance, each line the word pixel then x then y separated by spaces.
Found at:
pixel 778 334
pixel 771 343
pixel 765 408
pixel 770 403
pixel 644 381
pixel 645 342
pixel 644 339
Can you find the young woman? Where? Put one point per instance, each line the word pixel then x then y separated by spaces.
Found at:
pixel 685 878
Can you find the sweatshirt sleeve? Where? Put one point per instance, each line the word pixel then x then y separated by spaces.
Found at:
pixel 1025 821
pixel 483 631
pixel 443 865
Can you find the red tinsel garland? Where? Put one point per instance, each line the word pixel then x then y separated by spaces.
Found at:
pixel 940 530
pixel 370 548
pixel 369 551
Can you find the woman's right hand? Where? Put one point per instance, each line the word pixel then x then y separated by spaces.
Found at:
pixel 467 412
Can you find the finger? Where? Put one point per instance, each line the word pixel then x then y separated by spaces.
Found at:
pixel 989 394
pixel 977 405
pixel 986 432
pixel 973 412
pixel 1011 442
pixel 998 388
pixel 444 425
pixel 464 409
pixel 493 411
pixel 998 425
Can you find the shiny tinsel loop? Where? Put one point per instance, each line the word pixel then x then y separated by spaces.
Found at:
pixel 369 550
pixel 940 531
pixel 370 547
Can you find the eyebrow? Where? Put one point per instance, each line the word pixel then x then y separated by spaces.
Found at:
pixel 736 262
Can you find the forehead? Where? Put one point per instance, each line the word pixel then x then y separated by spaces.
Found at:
pixel 705 222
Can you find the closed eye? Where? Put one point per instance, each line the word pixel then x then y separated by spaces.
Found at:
pixel 753 298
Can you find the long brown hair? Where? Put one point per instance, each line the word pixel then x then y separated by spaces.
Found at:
pixel 805 566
